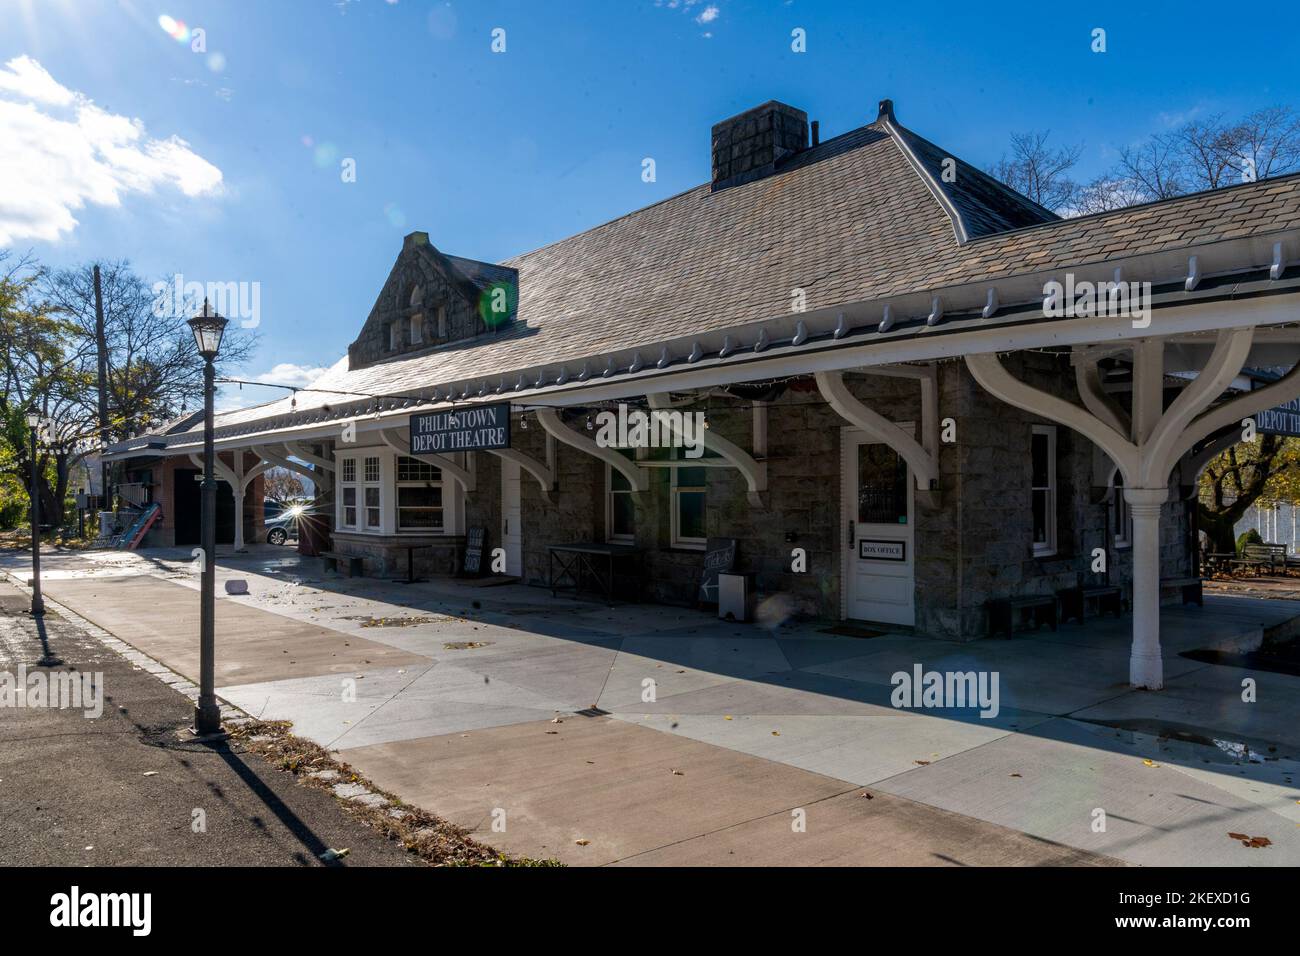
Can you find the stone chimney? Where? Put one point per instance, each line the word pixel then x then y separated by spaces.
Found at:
pixel 751 145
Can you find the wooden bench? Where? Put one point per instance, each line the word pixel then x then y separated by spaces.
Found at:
pixel 1191 588
pixel 332 559
pixel 1002 616
pixel 1258 555
pixel 1075 600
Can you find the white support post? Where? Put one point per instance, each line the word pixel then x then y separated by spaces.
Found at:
pixel 237 487
pixel 1146 668
pixel 1158 439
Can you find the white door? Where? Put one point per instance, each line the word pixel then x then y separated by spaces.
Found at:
pixel 878 532
pixel 512 538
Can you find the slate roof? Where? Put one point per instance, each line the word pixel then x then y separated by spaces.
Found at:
pixel 849 220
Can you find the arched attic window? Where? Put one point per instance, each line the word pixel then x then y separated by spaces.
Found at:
pixel 417 316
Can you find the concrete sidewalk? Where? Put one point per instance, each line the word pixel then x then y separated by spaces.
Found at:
pixel 758 724
pixel 129 788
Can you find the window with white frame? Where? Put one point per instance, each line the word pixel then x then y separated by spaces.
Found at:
pixel 620 513
pixel 442 321
pixel 1120 525
pixel 688 494
pixel 1043 488
pixel 419 495
pixel 395 335
pixel 417 329
pixel 348 492
pixel 371 492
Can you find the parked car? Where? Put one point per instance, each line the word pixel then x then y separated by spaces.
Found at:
pixel 283 525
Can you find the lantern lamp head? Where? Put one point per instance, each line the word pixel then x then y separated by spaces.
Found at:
pixel 208 328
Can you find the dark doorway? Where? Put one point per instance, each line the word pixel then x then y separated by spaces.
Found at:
pixel 187 506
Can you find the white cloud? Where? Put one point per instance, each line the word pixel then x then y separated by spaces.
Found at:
pixel 708 14
pixel 59 151
pixel 286 373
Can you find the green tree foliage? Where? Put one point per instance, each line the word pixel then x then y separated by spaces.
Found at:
pixel 1267 468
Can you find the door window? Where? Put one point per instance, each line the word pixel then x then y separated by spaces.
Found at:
pixel 882 485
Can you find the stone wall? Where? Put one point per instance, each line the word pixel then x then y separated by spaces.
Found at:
pixel 975 545
pixel 386 557
pixel 415 272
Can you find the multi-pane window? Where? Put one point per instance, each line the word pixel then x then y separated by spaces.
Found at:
pixel 1043 488
pixel 371 491
pixel 619 510
pixel 882 485
pixel 419 495
pixel 348 489
pixel 688 494
pixel 417 329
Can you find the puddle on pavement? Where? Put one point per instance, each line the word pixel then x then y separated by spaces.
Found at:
pixel 1190 744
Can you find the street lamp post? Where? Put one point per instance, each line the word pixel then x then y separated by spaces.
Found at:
pixel 38 604
pixel 208 328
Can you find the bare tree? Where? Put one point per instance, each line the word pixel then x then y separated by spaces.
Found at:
pixel 1104 194
pixel 154 369
pixel 283 486
pixel 1269 139
pixel 1038 171
pixel 1206 153
pixel 1210 154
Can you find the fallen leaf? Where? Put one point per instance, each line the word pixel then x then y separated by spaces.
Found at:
pixel 151 773
pixel 923 763
pixel 678 773
pixel 582 842
pixel 776 733
pixel 1013 775
pixel 330 855
pixel 1250 841
pixel 1150 763
pixel 867 795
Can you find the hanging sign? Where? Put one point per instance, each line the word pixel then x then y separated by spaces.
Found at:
pixel 465 429
pixel 1280 420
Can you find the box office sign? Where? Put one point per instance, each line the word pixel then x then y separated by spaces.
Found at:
pixel 876 549
pixel 465 429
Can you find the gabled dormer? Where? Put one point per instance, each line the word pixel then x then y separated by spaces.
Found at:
pixel 431 300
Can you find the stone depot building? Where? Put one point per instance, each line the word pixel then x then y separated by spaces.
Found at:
pixel 913 408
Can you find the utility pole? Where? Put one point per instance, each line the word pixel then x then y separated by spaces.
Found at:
pixel 101 347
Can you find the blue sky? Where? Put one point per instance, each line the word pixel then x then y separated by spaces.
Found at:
pixel 494 154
